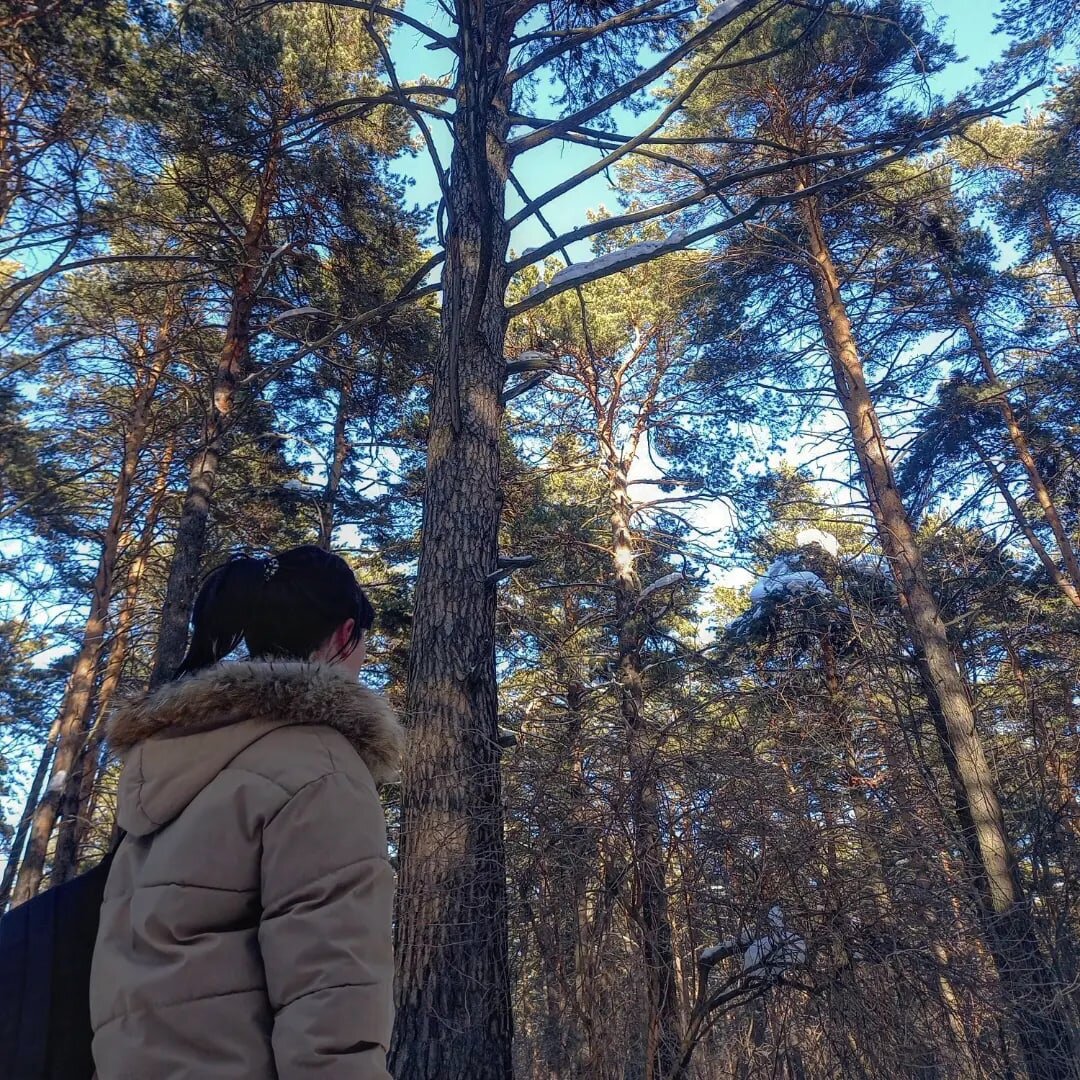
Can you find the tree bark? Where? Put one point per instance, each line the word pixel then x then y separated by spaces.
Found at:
pixel 339 454
pixel 453 989
pixel 190 543
pixel 1061 257
pixel 664 1024
pixel 23 828
pixel 79 791
pixel 1053 571
pixel 1006 918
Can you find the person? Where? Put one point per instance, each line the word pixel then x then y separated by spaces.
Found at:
pixel 246 924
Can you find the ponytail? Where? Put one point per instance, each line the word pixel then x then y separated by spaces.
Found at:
pixel 283 607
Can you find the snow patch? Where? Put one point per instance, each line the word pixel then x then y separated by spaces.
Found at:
pixel 725 947
pixel 533 356
pixel 770 955
pixel 610 261
pixel 662 583
pixel 56 784
pixel 723 9
pixel 294 313
pixel 869 564
pixel 825 541
pixel 781 578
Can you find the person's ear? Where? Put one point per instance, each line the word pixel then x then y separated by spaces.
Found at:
pixel 342 637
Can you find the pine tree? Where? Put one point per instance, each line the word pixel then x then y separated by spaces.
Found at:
pixel 820 99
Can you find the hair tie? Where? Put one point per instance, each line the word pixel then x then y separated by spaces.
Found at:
pixel 270 567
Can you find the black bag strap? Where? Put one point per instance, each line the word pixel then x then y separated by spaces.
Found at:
pixel 32 944
pixel 46 951
pixel 14 953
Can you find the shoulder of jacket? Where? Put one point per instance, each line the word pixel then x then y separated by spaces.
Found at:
pixel 292 756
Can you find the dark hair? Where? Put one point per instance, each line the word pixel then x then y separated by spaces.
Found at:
pixel 283 606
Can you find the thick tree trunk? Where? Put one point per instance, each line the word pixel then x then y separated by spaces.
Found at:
pixel 916 827
pixel 1057 250
pixel 190 543
pixel 562 923
pixel 74 710
pixel 664 1025
pixel 1053 571
pixel 453 989
pixel 1006 917
pixel 338 456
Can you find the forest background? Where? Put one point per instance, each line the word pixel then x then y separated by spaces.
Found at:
pixel 694 388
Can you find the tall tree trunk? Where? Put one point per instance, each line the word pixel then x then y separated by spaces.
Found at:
pixel 338 456
pixel 79 790
pixel 190 543
pixel 1070 587
pixel 18 842
pixel 1061 257
pixel 75 708
pixel 915 826
pixel 1053 571
pixel 568 854
pixel 664 1026
pixel 1006 918
pixel 453 989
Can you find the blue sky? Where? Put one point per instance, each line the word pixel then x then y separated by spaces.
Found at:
pixel 969 26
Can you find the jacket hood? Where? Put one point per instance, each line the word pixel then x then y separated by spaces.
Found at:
pixel 177 738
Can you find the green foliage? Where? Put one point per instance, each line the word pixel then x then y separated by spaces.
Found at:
pixel 788 740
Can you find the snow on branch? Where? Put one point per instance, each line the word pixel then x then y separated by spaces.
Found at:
pixel 766 956
pixel 609 263
pixel 723 949
pixel 296 313
pixel 722 11
pixel 776 951
pixel 781 578
pixel 868 564
pixel 666 582
pixel 887 147
pixel 826 541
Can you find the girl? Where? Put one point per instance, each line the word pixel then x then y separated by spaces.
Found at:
pixel 246 925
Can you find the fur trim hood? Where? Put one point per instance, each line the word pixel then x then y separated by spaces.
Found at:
pixel 177 738
pixel 277 691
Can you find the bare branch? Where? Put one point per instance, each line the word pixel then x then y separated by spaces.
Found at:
pixel 733 10
pixel 928 131
pixel 437 39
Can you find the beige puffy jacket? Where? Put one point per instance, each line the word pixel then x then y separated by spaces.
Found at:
pixel 246 924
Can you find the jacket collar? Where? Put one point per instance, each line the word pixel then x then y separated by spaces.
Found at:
pixel 270 691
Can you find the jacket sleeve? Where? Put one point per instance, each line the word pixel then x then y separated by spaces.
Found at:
pixel 325 934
